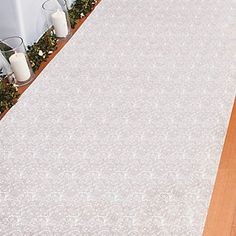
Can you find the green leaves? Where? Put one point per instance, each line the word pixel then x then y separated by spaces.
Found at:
pixel 41 50
pixel 80 9
pixel 8 94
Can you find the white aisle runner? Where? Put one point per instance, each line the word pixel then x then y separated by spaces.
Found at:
pixel 122 132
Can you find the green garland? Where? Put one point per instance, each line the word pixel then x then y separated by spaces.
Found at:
pixel 80 8
pixel 8 93
pixel 41 50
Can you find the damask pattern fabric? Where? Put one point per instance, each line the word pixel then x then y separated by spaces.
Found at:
pixel 122 133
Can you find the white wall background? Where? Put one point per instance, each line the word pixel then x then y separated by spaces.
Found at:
pixel 23 18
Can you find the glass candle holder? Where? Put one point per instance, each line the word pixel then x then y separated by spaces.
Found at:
pixel 13 50
pixel 57 17
pixel 69 3
pixel 5 68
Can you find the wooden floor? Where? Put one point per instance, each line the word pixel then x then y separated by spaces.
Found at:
pixel 221 219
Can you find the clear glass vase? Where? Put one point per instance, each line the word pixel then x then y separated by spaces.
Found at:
pixel 16 61
pixel 57 17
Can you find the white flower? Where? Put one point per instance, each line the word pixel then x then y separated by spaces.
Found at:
pixel 40 53
pixel 50 52
pixel 81 14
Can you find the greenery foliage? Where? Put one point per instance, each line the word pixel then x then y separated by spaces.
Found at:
pixel 79 9
pixel 41 50
pixel 8 93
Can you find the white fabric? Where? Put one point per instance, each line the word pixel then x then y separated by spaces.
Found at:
pixel 23 18
pixel 121 134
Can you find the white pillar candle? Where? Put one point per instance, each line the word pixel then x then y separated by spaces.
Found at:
pixel 20 66
pixel 60 23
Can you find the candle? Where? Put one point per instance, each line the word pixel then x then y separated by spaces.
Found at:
pixel 20 66
pixel 60 23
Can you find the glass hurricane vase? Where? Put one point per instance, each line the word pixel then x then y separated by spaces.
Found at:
pixel 15 57
pixel 57 18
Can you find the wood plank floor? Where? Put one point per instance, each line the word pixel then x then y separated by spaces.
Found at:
pixel 221 219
